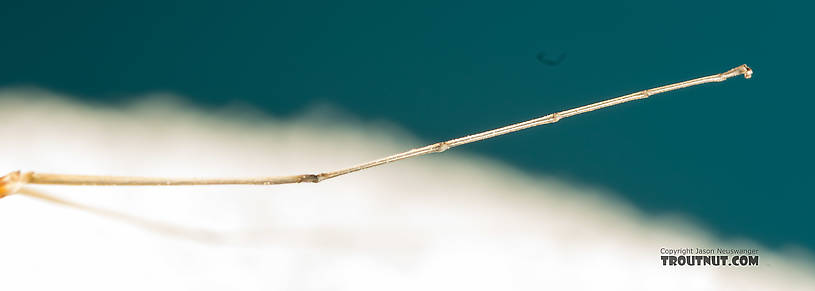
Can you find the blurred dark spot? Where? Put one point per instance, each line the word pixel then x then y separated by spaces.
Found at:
pixel 550 62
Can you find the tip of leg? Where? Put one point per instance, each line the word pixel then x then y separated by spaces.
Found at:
pixel 10 183
pixel 748 72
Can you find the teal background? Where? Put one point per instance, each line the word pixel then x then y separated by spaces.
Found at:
pixel 735 156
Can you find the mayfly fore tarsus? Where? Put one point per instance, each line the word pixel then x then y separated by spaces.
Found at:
pixel 14 182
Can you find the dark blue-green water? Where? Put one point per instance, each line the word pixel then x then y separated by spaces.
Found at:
pixel 735 156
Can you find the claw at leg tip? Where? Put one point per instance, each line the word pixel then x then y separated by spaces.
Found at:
pixel 10 184
pixel 748 72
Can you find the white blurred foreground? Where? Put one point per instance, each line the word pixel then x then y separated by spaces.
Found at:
pixel 446 221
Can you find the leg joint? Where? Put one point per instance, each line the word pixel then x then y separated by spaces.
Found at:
pixel 440 147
